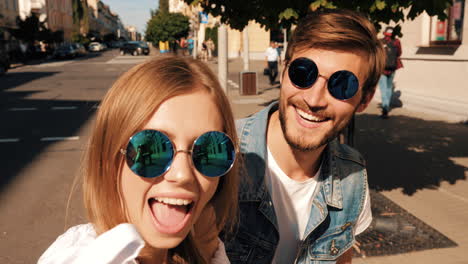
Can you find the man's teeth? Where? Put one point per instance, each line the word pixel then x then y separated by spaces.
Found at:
pixel 173 201
pixel 308 116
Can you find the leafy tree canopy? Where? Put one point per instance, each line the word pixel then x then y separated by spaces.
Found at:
pixel 167 27
pixel 274 14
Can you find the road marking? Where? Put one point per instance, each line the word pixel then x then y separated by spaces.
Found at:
pixel 52 64
pixel 22 109
pixel 64 107
pixel 59 138
pixel 8 140
pixel 463 199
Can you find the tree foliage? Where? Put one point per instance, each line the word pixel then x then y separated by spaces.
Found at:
pixel 274 14
pixel 29 29
pixel 165 26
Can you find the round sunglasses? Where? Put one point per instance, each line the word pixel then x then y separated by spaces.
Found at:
pixel 150 153
pixel 303 73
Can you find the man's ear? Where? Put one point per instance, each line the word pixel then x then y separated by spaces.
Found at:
pixel 365 101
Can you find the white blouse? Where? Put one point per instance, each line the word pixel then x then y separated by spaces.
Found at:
pixel 120 245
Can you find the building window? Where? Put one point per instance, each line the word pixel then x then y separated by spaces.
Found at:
pixel 449 32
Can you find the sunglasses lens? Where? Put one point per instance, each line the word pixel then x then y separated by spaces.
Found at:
pixel 149 153
pixel 213 154
pixel 343 85
pixel 303 72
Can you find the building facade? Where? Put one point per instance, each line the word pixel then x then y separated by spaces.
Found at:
pixel 259 38
pixel 435 57
pixel 9 10
pixel 60 17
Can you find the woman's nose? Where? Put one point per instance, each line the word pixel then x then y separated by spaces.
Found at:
pixel 182 170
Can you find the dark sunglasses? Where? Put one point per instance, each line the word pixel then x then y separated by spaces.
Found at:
pixel 303 73
pixel 150 153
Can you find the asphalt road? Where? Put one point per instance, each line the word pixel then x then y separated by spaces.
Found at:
pixel 45 111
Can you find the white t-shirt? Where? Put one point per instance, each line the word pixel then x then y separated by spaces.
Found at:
pixel 292 201
pixel 120 245
pixel 271 54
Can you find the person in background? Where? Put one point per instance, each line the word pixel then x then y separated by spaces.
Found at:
pixel 272 59
pixel 154 210
pixel 393 62
pixel 190 44
pixel 303 196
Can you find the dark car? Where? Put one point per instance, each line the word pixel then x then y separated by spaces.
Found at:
pixel 66 51
pixel 80 49
pixel 135 48
pixel 4 62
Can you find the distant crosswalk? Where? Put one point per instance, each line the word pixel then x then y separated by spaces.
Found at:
pixel 128 59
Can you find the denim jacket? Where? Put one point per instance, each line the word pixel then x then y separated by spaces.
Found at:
pixel 338 201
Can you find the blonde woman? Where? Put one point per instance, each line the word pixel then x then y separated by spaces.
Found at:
pixel 160 158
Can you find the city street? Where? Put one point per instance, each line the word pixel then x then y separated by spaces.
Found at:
pixel 415 159
pixel 46 112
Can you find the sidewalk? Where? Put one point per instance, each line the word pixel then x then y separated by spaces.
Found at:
pixel 417 159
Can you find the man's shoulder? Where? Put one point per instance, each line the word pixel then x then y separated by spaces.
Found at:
pixel 346 152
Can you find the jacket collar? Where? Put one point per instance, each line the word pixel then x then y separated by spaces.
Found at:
pixel 253 142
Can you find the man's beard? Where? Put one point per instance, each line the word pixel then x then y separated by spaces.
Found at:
pixel 299 143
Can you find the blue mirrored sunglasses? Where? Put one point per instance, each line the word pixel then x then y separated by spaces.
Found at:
pixel 150 153
pixel 303 73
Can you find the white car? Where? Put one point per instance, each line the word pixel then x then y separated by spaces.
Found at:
pixel 95 46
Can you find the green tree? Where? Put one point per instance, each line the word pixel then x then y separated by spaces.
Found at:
pixel 167 27
pixel 274 14
pixel 80 13
pixel 29 30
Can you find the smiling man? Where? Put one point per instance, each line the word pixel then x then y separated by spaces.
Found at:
pixel 305 197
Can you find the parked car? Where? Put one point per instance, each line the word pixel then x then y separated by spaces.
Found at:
pixel 135 48
pixel 80 49
pixel 66 51
pixel 4 62
pixel 95 46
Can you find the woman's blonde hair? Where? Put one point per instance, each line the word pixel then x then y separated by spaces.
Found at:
pixel 126 109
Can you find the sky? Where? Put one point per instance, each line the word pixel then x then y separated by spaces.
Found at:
pixel 133 13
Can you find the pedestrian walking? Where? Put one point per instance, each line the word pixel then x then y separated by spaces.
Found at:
pixel 190 44
pixel 272 60
pixel 210 45
pixel 393 62
pixel 304 196
pixel 146 188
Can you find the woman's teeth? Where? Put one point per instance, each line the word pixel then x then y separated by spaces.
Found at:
pixel 173 201
pixel 309 117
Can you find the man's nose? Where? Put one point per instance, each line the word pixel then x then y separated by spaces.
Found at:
pixel 316 96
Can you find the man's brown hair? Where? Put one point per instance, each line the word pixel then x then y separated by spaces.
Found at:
pixel 343 30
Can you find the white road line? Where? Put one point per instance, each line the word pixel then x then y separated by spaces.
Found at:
pixel 64 107
pixel 22 109
pixel 8 140
pixel 463 199
pixel 59 138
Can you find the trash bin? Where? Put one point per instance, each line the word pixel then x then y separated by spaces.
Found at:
pixel 248 83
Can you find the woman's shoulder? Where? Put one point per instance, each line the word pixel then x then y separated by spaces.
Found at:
pixel 80 244
pixel 67 245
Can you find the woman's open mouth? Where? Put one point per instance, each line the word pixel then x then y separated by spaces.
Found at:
pixel 170 215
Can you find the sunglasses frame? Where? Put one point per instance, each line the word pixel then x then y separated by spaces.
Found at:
pixel 319 75
pixel 175 151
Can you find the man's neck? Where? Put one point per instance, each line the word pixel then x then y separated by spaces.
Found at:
pixel 298 165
